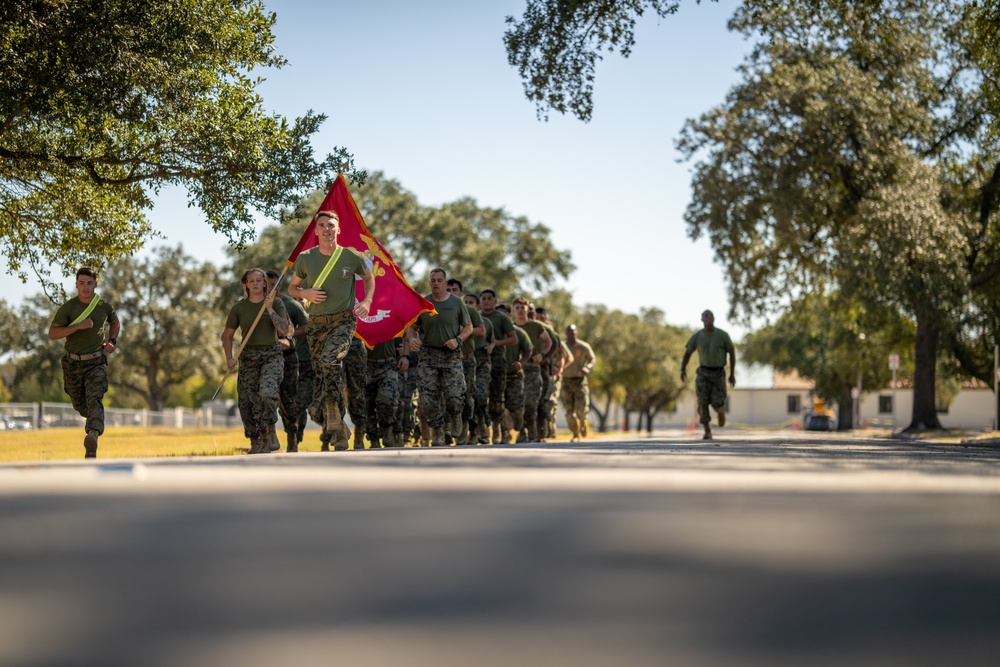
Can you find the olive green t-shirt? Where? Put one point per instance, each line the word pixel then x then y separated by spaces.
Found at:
pixel 502 326
pixel 242 315
pixel 385 350
pixel 534 330
pixel 582 355
pixel 452 315
pixel 297 314
pixel 339 284
pixel 84 341
pixel 712 348
pixel 513 353
pixel 483 341
pixel 469 344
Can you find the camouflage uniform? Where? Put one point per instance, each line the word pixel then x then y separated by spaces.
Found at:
pixel 329 339
pixel 257 388
pixel 484 371
pixel 408 399
pixel 86 382
pixel 304 396
pixel 382 397
pixel 532 398
pixel 288 392
pixel 710 387
pixel 355 379
pixel 575 396
pixel 513 400
pixel 440 374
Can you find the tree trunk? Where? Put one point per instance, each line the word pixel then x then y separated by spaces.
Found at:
pixel 602 418
pixel 627 422
pixel 924 375
pixel 845 410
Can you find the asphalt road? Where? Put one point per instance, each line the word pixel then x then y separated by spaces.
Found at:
pixel 789 550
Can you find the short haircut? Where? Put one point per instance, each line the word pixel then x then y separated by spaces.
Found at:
pixel 519 299
pixel 539 309
pixel 455 281
pixel 570 327
pixel 328 214
pixel 487 291
pixel 471 296
pixel 438 269
pixel 86 271
pixel 503 307
pixel 272 274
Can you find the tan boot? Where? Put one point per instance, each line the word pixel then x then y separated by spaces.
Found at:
pixel 335 426
pixel 722 417
pixel 574 427
pixel 359 435
pixel 708 433
pixel 496 433
pixel 272 439
pixel 292 441
pixel 584 428
pixel 437 437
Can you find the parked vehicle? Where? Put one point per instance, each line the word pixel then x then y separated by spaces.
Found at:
pixel 820 423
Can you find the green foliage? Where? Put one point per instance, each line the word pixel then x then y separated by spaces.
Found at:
pixel 557 43
pixel 38 360
pixel 829 340
pixel 105 101
pixel 170 324
pixel 482 247
pixel 837 165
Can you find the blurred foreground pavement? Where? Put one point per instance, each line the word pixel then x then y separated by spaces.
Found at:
pixel 769 549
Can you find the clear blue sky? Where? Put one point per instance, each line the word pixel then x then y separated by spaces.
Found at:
pixel 423 92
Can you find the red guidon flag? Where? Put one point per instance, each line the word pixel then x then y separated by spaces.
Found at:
pixel 395 306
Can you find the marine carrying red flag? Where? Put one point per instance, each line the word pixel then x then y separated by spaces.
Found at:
pixel 396 305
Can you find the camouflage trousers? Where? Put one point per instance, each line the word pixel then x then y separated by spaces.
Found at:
pixel 407 402
pixel 86 382
pixel 382 397
pixel 532 399
pixel 575 397
pixel 481 395
pixel 469 371
pixel 356 378
pixel 513 399
pixel 307 380
pixel 554 403
pixel 257 388
pixel 440 376
pixel 545 400
pixel 288 393
pixel 710 387
pixel 497 387
pixel 329 340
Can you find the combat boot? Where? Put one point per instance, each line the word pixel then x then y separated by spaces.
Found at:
pixel 335 427
pixel 272 439
pixel 293 442
pixel 722 417
pixel 708 432
pixel 324 446
pixel 496 433
pixel 437 436
pixel 574 428
pixel 90 444
pixel 460 430
pixel 257 445
pixel 359 435
pixel 584 428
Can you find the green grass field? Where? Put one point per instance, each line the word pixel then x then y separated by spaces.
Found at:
pixel 53 444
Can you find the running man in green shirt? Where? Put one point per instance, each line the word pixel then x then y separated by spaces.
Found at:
pixel 713 346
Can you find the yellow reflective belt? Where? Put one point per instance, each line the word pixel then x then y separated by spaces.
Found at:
pixel 327 269
pixel 86 313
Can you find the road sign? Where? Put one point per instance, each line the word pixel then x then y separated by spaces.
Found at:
pixel 893 362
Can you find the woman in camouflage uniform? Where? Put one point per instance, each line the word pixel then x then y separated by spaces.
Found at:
pixel 261 363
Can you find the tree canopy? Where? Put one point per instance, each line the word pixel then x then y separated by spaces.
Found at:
pixel 557 44
pixel 481 246
pixel 836 165
pixel 103 102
